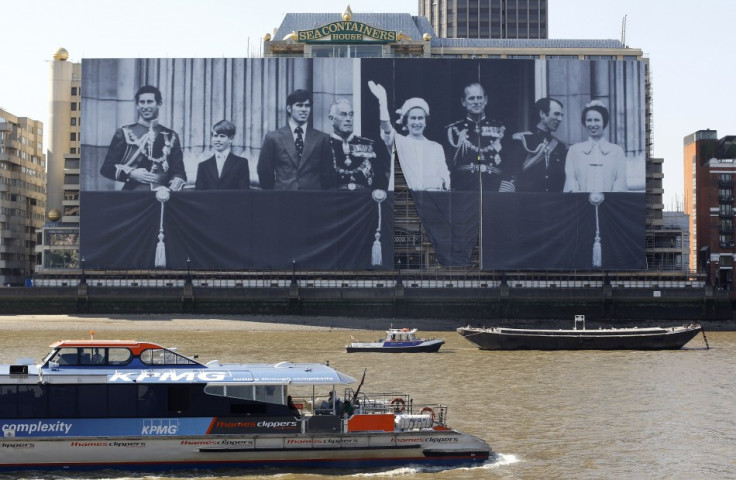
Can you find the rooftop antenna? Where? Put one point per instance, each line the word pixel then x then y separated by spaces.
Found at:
pixel 623 31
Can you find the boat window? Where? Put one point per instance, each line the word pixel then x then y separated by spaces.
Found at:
pixel 269 393
pixel 31 402
pixel 62 400
pixel 151 401
pixel 92 356
pixel 162 356
pixel 122 399
pixel 66 356
pixel 118 356
pixel 92 400
pixel 244 392
pixel 178 399
pixel 8 404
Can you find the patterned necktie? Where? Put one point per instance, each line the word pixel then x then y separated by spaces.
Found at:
pixel 299 142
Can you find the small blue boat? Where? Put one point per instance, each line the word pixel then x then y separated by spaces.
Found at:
pixel 398 340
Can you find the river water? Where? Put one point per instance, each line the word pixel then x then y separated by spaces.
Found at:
pixel 547 415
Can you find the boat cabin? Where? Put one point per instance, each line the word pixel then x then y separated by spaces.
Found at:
pixel 401 335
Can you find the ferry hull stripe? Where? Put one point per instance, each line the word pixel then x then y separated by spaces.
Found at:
pixel 370 463
pixel 321 449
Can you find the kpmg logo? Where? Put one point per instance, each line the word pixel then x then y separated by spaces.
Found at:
pixel 160 427
pixel 167 376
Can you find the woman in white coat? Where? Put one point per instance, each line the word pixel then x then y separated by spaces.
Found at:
pixel 422 160
pixel 595 165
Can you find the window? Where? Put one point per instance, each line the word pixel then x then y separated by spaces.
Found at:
pixel 31 402
pixel 92 400
pixel 73 136
pixel 74 106
pixel 74 91
pixel 243 392
pixel 62 401
pixel 355 51
pixel 160 356
pixel 74 121
pixel 71 195
pixel 70 179
pixel 71 163
pixel 61 259
pixel 66 356
pixel 120 398
pixel 119 356
pixel 8 403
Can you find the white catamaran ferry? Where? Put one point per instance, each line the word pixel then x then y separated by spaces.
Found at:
pixel 129 405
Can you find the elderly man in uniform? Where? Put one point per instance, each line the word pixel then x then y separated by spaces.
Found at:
pixel 539 156
pixel 358 163
pixel 473 146
pixel 145 155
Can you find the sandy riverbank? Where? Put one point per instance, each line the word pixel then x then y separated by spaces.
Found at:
pixel 220 323
pixel 255 323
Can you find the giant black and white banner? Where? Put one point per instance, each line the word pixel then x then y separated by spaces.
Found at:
pixel 254 163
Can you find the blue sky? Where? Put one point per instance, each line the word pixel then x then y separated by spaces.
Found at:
pixel 690 47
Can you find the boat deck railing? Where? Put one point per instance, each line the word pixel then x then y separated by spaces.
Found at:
pixel 397 404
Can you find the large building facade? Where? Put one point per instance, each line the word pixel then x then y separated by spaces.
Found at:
pixel 22 195
pixel 512 19
pixel 412 37
pixel 58 242
pixel 709 173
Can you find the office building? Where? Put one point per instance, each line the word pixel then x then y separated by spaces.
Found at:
pixel 58 243
pixel 22 195
pixel 512 19
pixel 709 172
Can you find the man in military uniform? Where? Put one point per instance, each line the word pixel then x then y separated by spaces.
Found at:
pixel 473 146
pixel 538 156
pixel 145 155
pixel 358 162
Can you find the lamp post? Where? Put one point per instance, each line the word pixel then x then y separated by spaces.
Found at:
pixel 83 280
pixel 189 270
pixel 399 281
pixel 293 271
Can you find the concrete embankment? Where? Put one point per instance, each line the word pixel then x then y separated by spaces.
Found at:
pixel 426 308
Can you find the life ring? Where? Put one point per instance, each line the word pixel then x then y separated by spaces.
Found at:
pixel 428 410
pixel 399 404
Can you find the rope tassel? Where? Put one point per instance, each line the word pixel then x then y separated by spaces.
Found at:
pixel 162 195
pixel 376 255
pixel 596 199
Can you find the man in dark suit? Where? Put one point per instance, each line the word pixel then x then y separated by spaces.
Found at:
pixel 296 156
pixel 224 170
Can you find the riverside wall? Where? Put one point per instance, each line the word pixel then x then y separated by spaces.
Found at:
pixel 478 306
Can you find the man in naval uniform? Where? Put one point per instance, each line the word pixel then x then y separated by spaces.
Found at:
pixel 538 156
pixel 358 162
pixel 473 146
pixel 145 155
